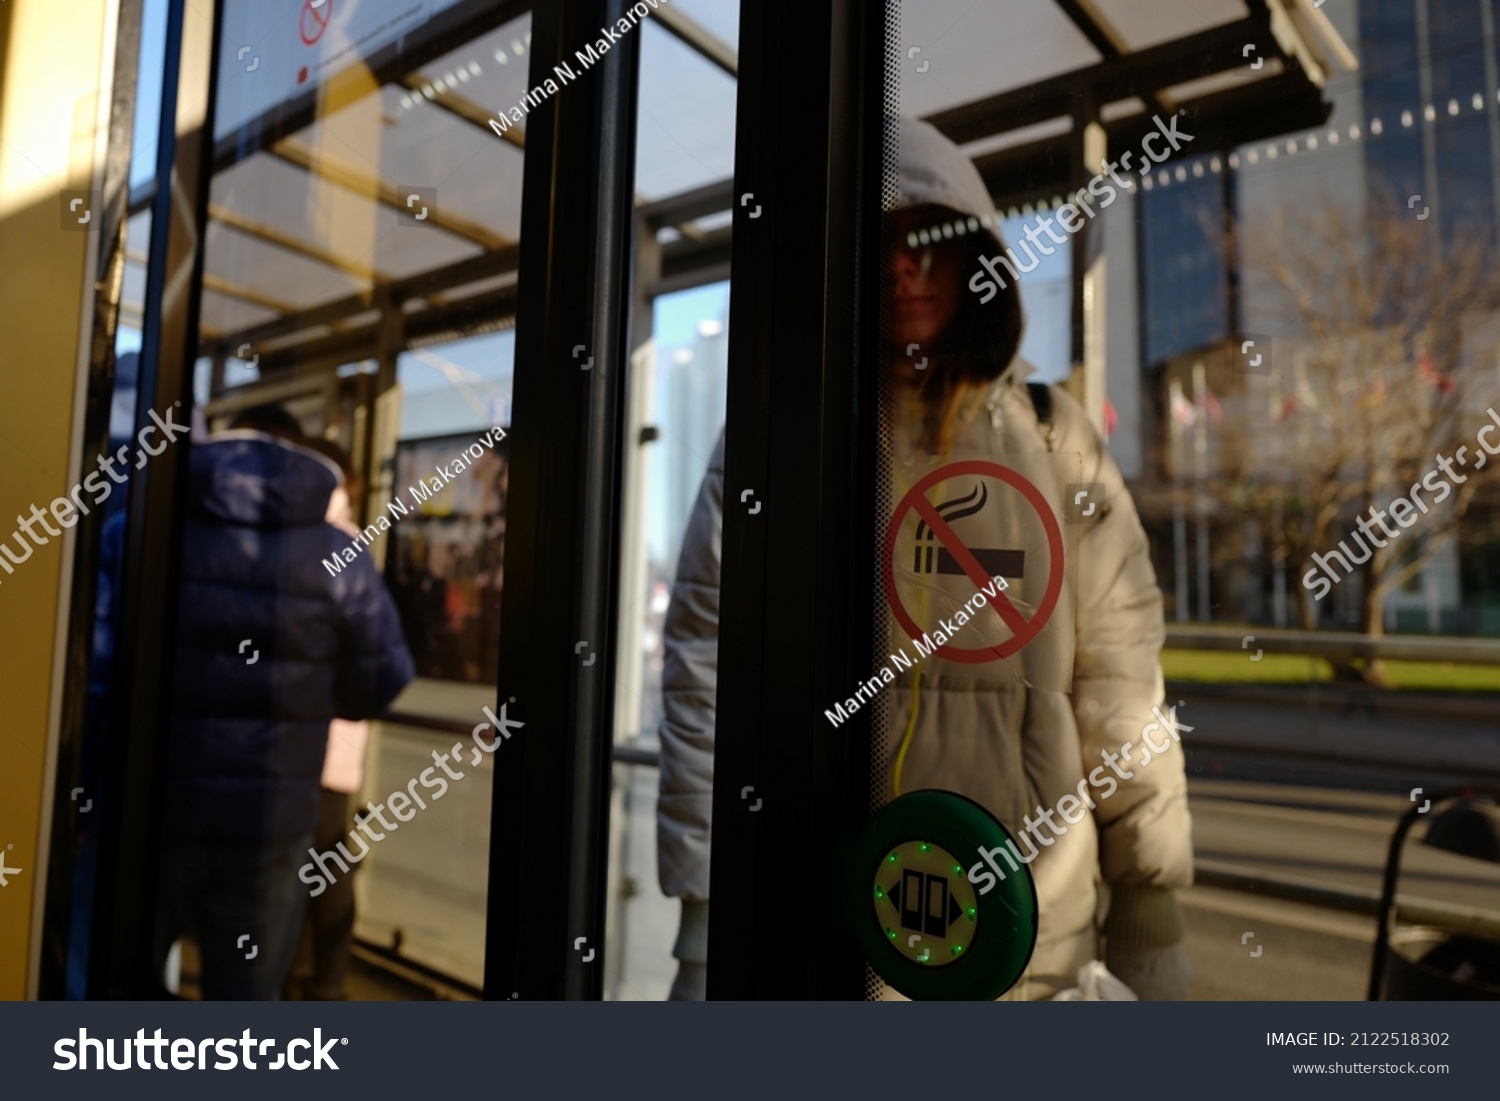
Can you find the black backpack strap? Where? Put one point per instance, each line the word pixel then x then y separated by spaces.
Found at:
pixel 1041 401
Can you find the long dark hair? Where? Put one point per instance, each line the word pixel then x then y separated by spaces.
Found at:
pixel 975 348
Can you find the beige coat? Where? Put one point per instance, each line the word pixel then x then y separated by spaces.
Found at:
pixel 1017 736
pixel 1014 735
pixel 1010 747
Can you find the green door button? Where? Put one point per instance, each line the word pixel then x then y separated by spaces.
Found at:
pixel 928 909
pixel 922 925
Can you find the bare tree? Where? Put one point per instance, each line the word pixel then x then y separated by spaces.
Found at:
pixel 1385 359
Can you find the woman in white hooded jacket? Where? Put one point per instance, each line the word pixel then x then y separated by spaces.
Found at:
pixel 1017 736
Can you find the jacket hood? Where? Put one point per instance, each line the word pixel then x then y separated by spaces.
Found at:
pixel 256 480
pixel 935 171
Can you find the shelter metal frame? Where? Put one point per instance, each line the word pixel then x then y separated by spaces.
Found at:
pixel 1030 171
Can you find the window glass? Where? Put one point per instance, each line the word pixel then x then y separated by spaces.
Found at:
pixel 1264 299
pixel 338 602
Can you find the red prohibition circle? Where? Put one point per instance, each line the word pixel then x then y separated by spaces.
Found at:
pixel 320 25
pixel 1024 629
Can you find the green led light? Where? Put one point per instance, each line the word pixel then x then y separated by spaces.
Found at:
pixel 892 858
pixel 972 912
pixel 924 846
pixel 958 949
pixel 891 933
pixel 879 893
pixel 958 869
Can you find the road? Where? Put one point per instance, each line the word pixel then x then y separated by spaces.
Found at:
pixel 1326 836
pixel 1318 801
pixel 1320 808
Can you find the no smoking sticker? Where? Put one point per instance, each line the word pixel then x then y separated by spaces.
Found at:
pixel 959 527
pixel 313 20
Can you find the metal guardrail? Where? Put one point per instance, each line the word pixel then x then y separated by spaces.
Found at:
pixel 1448 916
pixel 425 722
pixel 625 753
pixel 1338 645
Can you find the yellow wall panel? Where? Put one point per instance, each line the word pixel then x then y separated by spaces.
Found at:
pixel 50 70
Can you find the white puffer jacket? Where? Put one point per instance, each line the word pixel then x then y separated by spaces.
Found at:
pixel 1016 736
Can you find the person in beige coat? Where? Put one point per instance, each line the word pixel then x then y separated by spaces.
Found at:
pixel 1058 726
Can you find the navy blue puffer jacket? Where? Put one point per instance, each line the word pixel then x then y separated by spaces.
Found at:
pixel 248 737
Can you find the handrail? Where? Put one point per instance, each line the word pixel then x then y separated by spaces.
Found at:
pixel 425 722
pixel 1409 909
pixel 625 753
pixel 1338 645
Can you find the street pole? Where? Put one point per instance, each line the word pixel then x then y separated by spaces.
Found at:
pixel 1179 511
pixel 1200 499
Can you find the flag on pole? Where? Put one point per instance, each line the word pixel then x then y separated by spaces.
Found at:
pixel 1427 371
pixel 1211 406
pixel 1183 411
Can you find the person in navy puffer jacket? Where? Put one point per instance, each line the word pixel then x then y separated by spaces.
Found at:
pixel 270 647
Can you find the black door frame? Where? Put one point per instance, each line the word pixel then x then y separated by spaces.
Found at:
pixel 545 926
pixel 797 616
pixel 120 962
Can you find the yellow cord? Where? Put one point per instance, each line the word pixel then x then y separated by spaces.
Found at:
pixel 916 687
pixel 911 728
